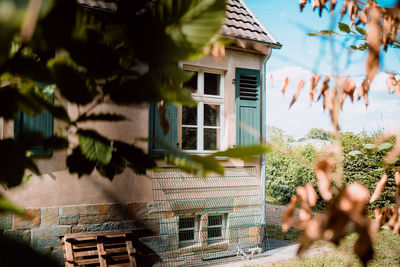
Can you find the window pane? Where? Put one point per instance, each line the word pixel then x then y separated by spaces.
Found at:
pixel 186 235
pixel 186 223
pixel 211 83
pixel 189 138
pixel 189 115
pixel 214 220
pixel 192 83
pixel 211 115
pixel 214 232
pixel 211 139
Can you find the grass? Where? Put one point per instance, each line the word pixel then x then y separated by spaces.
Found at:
pixel 270 200
pixel 275 231
pixel 387 252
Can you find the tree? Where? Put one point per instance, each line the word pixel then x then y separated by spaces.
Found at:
pixel 320 134
pixel 278 136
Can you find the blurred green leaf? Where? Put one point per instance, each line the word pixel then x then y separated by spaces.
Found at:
pixel 71 81
pixel 385 146
pixel 133 89
pixel 244 152
pixel 102 117
pixel 207 15
pixel 12 162
pixel 362 47
pixel 78 163
pixel 137 160
pixel 29 67
pixel 115 166
pixel 7 206
pixel 327 32
pixel 369 146
pixel 344 27
pixel 29 164
pixel 87 49
pixel 30 138
pixel 355 153
pixel 55 143
pixel 94 146
pixel 198 165
pixel 361 30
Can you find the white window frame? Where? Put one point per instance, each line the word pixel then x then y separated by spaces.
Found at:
pixel 195 229
pixel 223 226
pixel 201 98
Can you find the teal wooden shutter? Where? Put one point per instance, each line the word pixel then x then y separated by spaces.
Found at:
pixel 156 132
pixel 247 106
pixel 42 122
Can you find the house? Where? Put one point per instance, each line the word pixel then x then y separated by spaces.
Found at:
pixel 191 216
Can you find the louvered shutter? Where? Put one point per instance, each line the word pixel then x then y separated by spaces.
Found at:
pixel 156 132
pixel 247 106
pixel 42 122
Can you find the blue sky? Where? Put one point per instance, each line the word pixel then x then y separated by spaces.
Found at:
pixel 301 56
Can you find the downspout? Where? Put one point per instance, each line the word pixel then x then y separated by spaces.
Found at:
pixel 263 81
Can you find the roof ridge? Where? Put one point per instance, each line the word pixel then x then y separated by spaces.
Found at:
pixel 257 20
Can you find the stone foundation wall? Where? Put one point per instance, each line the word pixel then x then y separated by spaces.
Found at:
pixel 42 228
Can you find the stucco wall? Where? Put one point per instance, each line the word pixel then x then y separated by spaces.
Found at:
pixel 59 188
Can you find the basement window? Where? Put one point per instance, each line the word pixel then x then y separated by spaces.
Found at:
pixel 187 231
pixel 216 227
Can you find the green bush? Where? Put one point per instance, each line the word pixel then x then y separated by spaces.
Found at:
pixel 285 172
pixel 366 166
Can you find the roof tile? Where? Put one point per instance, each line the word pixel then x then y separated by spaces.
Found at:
pixel 240 22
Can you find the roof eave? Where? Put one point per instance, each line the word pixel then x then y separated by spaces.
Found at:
pixel 261 47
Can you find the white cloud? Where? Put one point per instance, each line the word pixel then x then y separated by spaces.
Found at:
pixel 382 111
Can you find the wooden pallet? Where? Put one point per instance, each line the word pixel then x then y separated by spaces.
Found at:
pixel 111 248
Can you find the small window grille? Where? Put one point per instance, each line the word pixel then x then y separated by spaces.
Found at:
pixel 215 226
pixel 186 229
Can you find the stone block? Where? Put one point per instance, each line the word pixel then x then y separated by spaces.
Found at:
pixel 83 210
pixel 68 220
pixel 102 227
pixel 47 239
pixel 169 226
pixel 78 228
pixel 136 211
pixel 254 233
pixel 117 212
pixel 50 232
pixel 6 221
pixel 156 215
pixel 93 219
pixel 20 235
pixel 30 219
pixel 49 216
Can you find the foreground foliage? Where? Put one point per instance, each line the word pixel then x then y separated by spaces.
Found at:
pixel 387 249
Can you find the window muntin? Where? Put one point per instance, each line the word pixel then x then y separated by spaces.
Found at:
pixel 216 227
pixel 187 229
pixel 201 126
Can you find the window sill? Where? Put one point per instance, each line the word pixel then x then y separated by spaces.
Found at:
pixel 206 153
